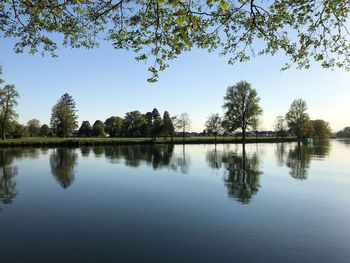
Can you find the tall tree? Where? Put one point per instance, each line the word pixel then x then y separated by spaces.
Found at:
pixel 298 118
pixel 33 127
pixel 149 123
pixel 156 124
pixel 64 117
pixel 113 126
pixel 213 124
pixel 168 126
pixel 8 102
pixel 242 109
pixel 304 30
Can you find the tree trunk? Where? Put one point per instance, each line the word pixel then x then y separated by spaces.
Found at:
pixel 183 134
pixel 3 131
pixel 243 134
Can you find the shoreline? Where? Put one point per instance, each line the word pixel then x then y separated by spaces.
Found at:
pixel 77 142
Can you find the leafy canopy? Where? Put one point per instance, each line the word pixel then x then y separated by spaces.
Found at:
pixel 64 119
pixel 303 30
pixel 298 118
pixel 242 109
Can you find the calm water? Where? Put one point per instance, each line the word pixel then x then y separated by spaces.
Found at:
pixel 269 203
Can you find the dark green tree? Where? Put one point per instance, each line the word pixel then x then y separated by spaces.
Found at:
pixel 149 123
pixel 134 124
pixel 156 124
pixel 303 30
pixel 242 109
pixel 298 118
pixel 85 129
pixel 98 129
pixel 44 130
pixel 113 126
pixel 168 126
pixel 64 117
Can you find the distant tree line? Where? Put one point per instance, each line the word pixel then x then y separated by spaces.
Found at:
pixel 345 133
pixel 133 124
pixel 242 112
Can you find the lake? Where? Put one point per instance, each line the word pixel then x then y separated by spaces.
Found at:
pixel 165 203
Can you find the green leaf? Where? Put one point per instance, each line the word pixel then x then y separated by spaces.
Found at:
pixel 174 2
pixel 223 5
pixel 180 12
pixel 179 20
pixel 160 2
pixel 188 42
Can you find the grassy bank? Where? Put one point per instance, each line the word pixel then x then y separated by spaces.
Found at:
pixel 75 142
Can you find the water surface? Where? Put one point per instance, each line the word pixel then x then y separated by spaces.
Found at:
pixel 164 203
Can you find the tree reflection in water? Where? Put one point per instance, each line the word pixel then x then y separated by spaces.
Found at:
pixel 8 189
pixel 299 157
pixel 242 172
pixel 156 156
pixel 62 162
pixel 8 172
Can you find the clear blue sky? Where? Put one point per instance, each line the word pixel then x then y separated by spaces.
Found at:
pixel 106 82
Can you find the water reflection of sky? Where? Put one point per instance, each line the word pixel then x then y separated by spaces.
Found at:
pixel 215 196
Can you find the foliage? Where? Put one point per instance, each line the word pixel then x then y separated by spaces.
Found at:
pixel 16 130
pixel 93 141
pixel 321 129
pixel 44 130
pixel 304 30
pixel 8 102
pixel 182 123
pixel 344 133
pixel 134 124
pixel 33 127
pixel 213 124
pixel 168 126
pixel 242 109
pixel 98 129
pixel 85 129
pixel 113 126
pixel 281 127
pixel 1 80
pixel 298 118
pixel 156 124
pixel 64 117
